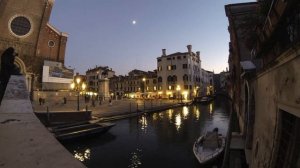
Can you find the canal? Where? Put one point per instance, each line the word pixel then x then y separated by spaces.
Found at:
pixel 163 139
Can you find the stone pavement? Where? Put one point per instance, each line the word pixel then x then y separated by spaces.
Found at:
pixel 24 141
pixel 105 109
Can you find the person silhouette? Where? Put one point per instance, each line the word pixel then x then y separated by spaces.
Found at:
pixel 8 68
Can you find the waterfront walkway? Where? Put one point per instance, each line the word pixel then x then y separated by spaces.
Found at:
pixel 108 110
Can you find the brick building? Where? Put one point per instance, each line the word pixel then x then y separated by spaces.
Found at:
pixel 25 26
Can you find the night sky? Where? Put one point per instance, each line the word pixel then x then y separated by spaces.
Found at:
pixel 129 34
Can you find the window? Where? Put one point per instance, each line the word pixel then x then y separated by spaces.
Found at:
pixel 171 87
pixel 184 56
pixel 186 87
pixel 184 66
pixel 169 67
pixel 288 152
pixel 159 68
pixel 173 58
pixel 168 58
pixel 170 79
pixel 20 26
pixel 154 88
pixel 154 81
pixel 173 67
pixel 185 77
pixel 159 79
pixel 179 57
pixel 174 78
pixel 158 60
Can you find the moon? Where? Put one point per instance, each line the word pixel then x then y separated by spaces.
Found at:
pixel 134 22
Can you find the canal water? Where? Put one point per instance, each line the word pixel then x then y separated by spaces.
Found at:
pixel 156 140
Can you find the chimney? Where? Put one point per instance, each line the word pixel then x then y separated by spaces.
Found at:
pixel 198 54
pixel 189 47
pixel 163 52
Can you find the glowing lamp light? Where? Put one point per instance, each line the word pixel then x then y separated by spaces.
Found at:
pixel 72 85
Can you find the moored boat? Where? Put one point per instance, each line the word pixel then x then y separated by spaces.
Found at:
pixel 203 100
pixel 209 146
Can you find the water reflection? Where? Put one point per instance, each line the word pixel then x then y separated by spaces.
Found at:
pixel 185 112
pixel 170 114
pixel 135 160
pixel 210 108
pixel 166 138
pixel 197 114
pixel 154 117
pixel 144 123
pixel 177 121
pixel 82 156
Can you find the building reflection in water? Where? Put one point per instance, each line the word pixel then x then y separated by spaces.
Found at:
pixel 86 155
pixel 185 111
pixel 154 116
pixel 178 121
pixel 197 114
pixel 170 114
pixel 144 123
pixel 135 160
pixel 210 108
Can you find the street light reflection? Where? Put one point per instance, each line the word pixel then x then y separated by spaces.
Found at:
pixel 178 121
pixel 185 112
pixel 170 114
pixel 86 155
pixel 143 122
pixel 135 159
pixel 197 114
pixel 210 108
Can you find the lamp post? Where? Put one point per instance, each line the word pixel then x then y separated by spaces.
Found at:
pixel 78 86
pixel 178 91
pixel 144 84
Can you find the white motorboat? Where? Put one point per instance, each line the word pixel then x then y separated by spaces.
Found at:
pixel 209 146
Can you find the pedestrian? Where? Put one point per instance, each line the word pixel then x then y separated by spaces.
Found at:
pixel 40 101
pixel 7 68
pixel 65 100
pixel 93 102
pixel 110 102
pixel 100 100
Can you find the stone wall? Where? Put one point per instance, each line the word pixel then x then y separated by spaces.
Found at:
pixel 25 142
pixel 275 89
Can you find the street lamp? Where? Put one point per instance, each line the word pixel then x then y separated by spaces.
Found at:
pixel 144 83
pixel 178 91
pixel 78 86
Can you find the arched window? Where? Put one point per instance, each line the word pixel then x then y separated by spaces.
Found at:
pixel 175 78
pixel 160 79
pixel 170 78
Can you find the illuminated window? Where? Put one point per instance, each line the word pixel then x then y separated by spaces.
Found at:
pixel 154 88
pixel 169 67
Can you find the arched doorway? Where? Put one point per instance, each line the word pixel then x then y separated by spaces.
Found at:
pixel 28 76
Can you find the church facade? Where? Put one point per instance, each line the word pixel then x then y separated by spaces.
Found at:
pixel 24 25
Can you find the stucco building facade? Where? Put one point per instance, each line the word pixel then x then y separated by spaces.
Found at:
pixel 178 74
pixel 265 81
